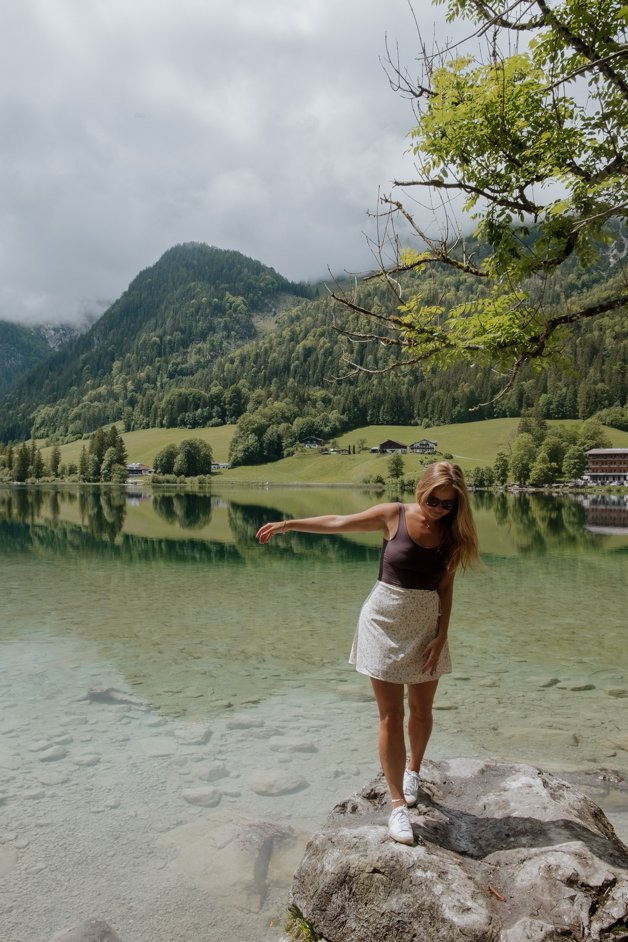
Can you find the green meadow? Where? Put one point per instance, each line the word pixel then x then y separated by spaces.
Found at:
pixel 472 444
pixel 144 444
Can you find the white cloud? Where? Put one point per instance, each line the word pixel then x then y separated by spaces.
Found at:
pixel 131 126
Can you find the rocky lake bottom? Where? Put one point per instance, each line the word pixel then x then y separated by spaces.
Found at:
pixel 175 830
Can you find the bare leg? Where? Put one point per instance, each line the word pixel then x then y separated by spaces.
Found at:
pixel 392 747
pixel 420 700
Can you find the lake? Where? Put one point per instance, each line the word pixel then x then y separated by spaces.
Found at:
pixel 177 714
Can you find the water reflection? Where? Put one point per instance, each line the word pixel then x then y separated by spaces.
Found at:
pixel 246 519
pixel 606 513
pixel 102 511
pixel 190 511
pixel 187 525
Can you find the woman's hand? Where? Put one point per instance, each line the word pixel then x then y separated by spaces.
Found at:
pixel 270 529
pixel 432 654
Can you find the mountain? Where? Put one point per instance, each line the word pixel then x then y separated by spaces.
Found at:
pixel 207 336
pixel 195 304
pixel 22 348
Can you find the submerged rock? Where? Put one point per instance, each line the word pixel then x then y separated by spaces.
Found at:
pixel 94 930
pixel 109 695
pixel 504 853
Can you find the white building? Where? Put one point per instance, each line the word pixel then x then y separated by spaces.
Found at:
pixel 607 465
pixel 424 446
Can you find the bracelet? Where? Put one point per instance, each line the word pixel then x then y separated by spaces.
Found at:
pixel 283 525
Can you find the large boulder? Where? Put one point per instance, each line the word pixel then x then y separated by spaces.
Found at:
pixel 504 853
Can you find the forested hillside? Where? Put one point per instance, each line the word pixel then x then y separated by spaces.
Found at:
pixel 195 304
pixel 206 336
pixel 22 348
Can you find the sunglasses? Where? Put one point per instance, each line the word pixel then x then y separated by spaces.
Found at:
pixel 436 502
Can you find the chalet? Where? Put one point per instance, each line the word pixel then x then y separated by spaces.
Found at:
pixel 312 442
pixel 136 468
pixel 391 447
pixel 424 446
pixel 607 465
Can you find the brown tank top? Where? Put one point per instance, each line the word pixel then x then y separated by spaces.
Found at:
pixel 407 564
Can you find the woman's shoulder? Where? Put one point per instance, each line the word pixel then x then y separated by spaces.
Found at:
pixel 389 509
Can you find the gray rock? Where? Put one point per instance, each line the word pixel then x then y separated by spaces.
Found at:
pixel 39 746
pixel 212 772
pixel 53 754
pixel 504 853
pixel 193 734
pixel 205 797
pixel 277 783
pixel 94 930
pixel 53 778
pixel 544 681
pixel 244 722
pixel 109 695
pixel 291 745
pixel 156 747
pixel 87 759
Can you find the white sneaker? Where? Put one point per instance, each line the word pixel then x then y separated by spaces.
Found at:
pixel 411 783
pixel 399 826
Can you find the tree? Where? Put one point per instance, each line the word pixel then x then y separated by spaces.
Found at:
pixel 395 467
pixel 165 459
pixel 97 447
pixel 529 135
pixel 500 467
pixel 93 468
pixel 21 463
pixel 574 463
pixel 592 435
pixel 111 469
pixel 192 457
pixel 482 477
pixel 522 458
pixel 36 468
pixel 114 440
pixel 55 460
pixel 83 467
pixel 543 471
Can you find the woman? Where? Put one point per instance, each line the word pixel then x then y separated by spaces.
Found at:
pixel 401 638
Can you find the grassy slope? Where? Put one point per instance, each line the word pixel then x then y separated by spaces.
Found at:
pixel 144 444
pixel 472 444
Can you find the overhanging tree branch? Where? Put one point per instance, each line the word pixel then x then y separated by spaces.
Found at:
pixel 577 42
pixel 545 174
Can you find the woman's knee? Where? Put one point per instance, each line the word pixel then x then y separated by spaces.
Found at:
pixel 421 713
pixel 420 701
pixel 391 717
pixel 420 709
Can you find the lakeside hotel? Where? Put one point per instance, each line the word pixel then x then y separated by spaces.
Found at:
pixel 607 465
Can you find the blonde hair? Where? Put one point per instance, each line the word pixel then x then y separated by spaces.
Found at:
pixel 461 540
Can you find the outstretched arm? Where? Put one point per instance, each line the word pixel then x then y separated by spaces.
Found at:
pixel 379 517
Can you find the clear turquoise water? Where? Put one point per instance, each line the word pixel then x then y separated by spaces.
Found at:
pixel 199 634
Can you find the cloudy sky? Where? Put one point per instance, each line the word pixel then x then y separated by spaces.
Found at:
pixel 128 126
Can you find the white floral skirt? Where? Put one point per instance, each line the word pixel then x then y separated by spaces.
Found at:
pixel 394 627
